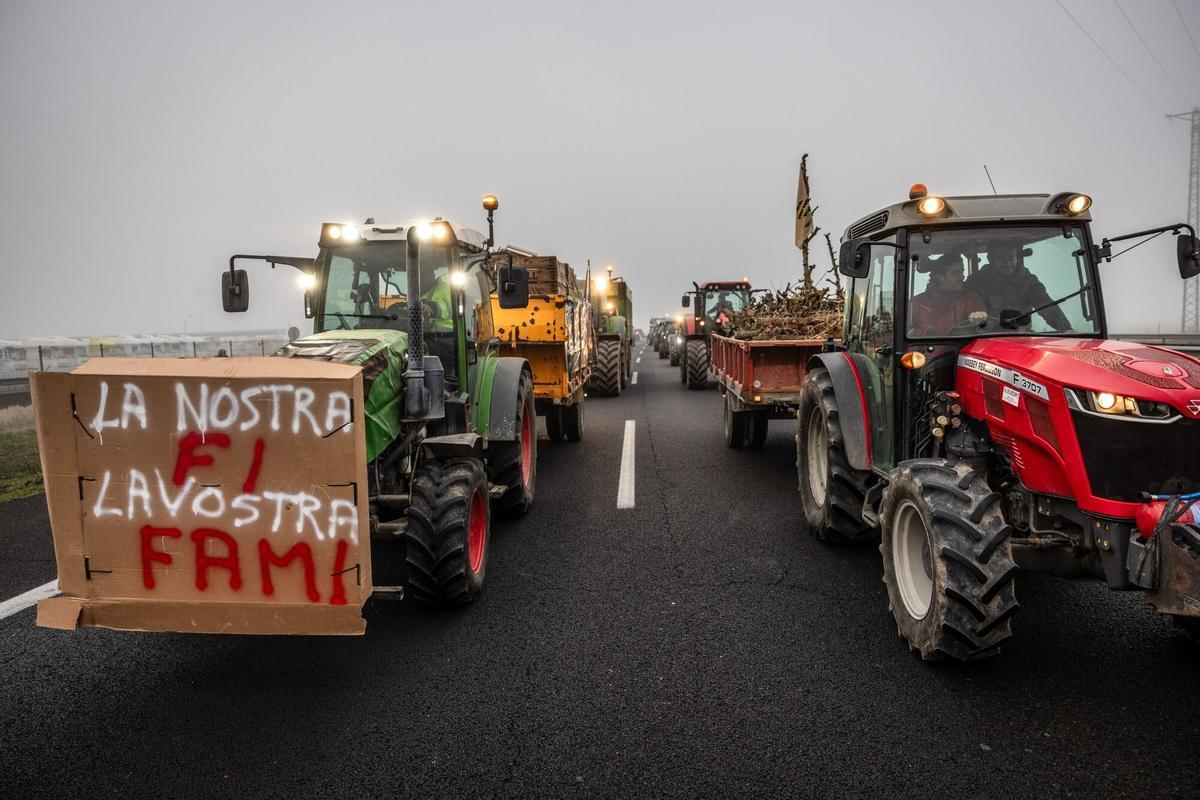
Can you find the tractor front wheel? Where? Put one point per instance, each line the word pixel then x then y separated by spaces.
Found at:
pixel 947 561
pixel 513 465
pixel 831 491
pixel 696 364
pixel 449 527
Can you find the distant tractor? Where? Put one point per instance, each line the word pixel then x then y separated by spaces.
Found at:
pixel 977 418
pixel 612 305
pixel 711 306
pixel 675 341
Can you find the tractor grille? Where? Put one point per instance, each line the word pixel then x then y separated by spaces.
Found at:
pixel 1124 458
pixel 868 225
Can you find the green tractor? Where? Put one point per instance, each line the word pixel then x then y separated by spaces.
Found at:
pixel 450 423
pixel 612 305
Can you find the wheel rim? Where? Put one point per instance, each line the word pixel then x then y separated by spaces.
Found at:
pixel 526 448
pixel 817 456
pixel 911 560
pixel 476 530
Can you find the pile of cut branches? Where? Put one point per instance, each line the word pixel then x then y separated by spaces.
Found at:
pixel 793 312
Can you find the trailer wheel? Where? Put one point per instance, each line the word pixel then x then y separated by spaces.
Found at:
pixel 449 528
pixel 572 420
pixel 947 561
pixel 831 491
pixel 735 424
pixel 554 423
pixel 756 428
pixel 696 359
pixel 514 464
pixel 606 377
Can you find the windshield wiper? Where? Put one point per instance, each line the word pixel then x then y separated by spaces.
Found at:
pixel 1016 318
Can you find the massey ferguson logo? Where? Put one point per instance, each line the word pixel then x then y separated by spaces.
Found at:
pixel 1194 407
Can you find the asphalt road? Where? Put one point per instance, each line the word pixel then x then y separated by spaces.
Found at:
pixel 700 644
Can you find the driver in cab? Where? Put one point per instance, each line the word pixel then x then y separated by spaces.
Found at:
pixel 945 303
pixel 1005 283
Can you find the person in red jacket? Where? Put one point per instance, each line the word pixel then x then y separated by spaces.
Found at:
pixel 944 303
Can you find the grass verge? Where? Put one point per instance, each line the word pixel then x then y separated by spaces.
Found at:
pixel 20 469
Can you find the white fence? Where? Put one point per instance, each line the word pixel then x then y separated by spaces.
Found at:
pixel 61 354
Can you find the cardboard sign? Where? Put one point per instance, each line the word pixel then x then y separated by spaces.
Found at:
pixel 223 495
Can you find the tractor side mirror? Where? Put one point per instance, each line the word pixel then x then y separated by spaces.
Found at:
pixel 1187 253
pixel 686 302
pixel 235 291
pixel 852 259
pixel 512 286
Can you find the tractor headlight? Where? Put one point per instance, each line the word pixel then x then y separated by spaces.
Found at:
pixel 458 278
pixel 1121 406
pixel 678 340
pixel 931 206
pixel 1078 204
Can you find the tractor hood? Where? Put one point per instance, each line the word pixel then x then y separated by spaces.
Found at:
pixel 1102 365
pixel 382 355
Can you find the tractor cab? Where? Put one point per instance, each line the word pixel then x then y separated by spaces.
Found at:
pixel 713 305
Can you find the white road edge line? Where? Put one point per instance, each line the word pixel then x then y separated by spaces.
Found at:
pixel 24 601
pixel 625 487
pixel 633 380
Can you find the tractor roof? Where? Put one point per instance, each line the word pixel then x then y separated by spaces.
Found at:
pixel 372 231
pixel 726 285
pixel 969 209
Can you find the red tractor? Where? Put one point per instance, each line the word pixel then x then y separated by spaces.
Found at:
pixel 712 306
pixel 978 420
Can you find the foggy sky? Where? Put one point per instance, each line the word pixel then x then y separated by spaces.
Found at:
pixel 143 143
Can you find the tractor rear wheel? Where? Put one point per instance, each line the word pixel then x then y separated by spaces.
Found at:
pixel 554 423
pixel 449 527
pixel 662 350
pixel 947 560
pixel 674 355
pixel 572 420
pixel 606 377
pixel 514 464
pixel 696 361
pixel 831 491
pixel 735 424
pixel 756 428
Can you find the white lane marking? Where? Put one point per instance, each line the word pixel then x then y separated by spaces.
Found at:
pixel 633 380
pixel 638 360
pixel 625 487
pixel 24 601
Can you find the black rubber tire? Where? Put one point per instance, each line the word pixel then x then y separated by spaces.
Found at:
pixel 504 458
pixel 554 423
pixel 696 357
pixel 969 558
pixel 756 428
pixel 674 355
pixel 1190 626
pixel 572 420
pixel 661 350
pixel 606 376
pixel 837 516
pixel 626 366
pixel 734 424
pixel 439 568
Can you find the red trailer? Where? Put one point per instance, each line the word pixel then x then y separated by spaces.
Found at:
pixel 760 381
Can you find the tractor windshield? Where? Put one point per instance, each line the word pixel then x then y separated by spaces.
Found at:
pixel 721 304
pixel 366 285
pixel 999 281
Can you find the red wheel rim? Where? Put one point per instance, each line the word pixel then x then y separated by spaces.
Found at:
pixel 526 448
pixel 476 530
